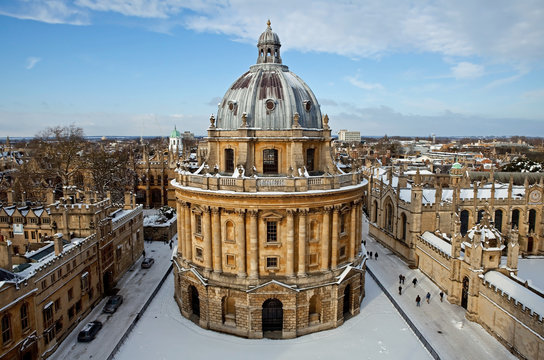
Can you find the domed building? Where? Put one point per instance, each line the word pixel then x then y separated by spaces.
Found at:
pixel 269 229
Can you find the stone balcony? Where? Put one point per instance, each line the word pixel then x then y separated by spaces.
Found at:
pixel 267 183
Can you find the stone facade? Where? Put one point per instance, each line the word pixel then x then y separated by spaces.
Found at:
pixel 269 230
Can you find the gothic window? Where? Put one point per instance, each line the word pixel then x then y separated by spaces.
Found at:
pixel 515 219
pixel 271 231
pixel 270 161
pixel 389 217
pixel 310 159
pixel 229 160
pixel 464 222
pixel 532 220
pixel 151 180
pixel 480 216
pixel 498 220
pixel 375 212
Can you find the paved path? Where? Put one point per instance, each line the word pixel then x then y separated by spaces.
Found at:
pixel 136 286
pixel 441 323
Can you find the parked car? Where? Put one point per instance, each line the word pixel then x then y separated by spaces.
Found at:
pixel 147 262
pixel 89 331
pixel 113 303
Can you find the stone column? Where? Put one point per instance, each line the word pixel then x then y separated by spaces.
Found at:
pixel 352 232
pixel 334 237
pixel 216 240
pixel 187 232
pixel 325 238
pixel 241 242
pixel 253 245
pixel 290 261
pixel 180 208
pixel 207 237
pixel 302 242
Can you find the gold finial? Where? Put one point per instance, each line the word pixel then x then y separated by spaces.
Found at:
pixel 268 23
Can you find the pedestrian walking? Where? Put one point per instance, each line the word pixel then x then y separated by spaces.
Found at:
pixel 428 297
pixel 400 290
pixel 367 253
pixel 170 243
pixel 441 296
pixel 371 255
pixel 418 300
pixel 143 253
pixel 403 278
pixel 414 282
pixel 400 279
pixel 376 256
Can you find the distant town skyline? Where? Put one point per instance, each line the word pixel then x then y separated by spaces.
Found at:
pixel 118 67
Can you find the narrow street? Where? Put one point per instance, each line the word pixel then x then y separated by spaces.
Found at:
pixel 441 323
pixel 136 286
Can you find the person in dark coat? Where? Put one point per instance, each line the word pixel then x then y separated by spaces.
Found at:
pixel 376 256
pixel 371 255
pixel 403 278
pixel 418 301
pixel 400 290
pixel 400 279
pixel 428 297
pixel 414 282
pixel 441 296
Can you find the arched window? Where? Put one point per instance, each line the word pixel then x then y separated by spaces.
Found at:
pixel 389 217
pixel 480 215
pixel 314 310
pixel 375 212
pixel 229 160
pixel 498 220
pixel 314 231
pixel 515 219
pixel 532 220
pixel 24 316
pixel 464 222
pixel 229 233
pixel 343 221
pixel 403 225
pixel 229 310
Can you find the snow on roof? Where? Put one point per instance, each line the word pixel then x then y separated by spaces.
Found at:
pixel 437 242
pixel 516 291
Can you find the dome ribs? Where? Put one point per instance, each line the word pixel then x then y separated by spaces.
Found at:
pixel 270 80
pixel 243 81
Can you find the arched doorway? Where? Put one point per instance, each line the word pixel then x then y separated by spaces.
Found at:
pixel 347 301
pixel 195 301
pixel 272 315
pixel 464 296
pixel 532 220
pixel 530 243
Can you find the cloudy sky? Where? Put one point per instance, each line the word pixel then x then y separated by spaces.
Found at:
pixel 136 67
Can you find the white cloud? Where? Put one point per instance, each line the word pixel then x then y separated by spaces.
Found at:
pixel 534 95
pixel 506 31
pixel 466 70
pixel 31 62
pixel 355 81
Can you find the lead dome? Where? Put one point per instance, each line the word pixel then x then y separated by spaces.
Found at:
pixel 269 94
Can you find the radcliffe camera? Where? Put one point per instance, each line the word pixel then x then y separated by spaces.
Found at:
pixel 200 180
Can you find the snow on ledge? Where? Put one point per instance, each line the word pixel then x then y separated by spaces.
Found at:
pixel 437 242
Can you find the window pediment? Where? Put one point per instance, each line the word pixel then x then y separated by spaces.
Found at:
pixel 272 216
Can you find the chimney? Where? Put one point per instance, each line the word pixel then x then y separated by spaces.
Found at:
pixel 50 196
pixel 57 240
pixel 128 198
pixel 5 254
pixel 11 197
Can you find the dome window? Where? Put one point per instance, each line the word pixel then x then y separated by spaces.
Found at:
pixel 270 105
pixel 232 105
pixel 307 105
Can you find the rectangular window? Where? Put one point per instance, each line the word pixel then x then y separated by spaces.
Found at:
pixel 48 315
pixel 85 282
pixel 24 316
pixel 70 294
pixel 46 220
pixel 342 251
pixel 44 284
pixel 6 329
pixel 53 278
pixel 71 312
pixel 4 219
pixel 58 326
pixel 198 223
pixel 78 306
pixel 199 253
pixel 343 223
pixel 231 260
pixel 33 235
pixel 272 262
pixel 271 231
pixel 310 159
pixel 270 161
pixel 59 273
pixel 313 260
pixel 57 305
pixel 229 160
pixel 49 335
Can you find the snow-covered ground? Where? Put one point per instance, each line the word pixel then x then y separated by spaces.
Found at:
pixel 378 332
